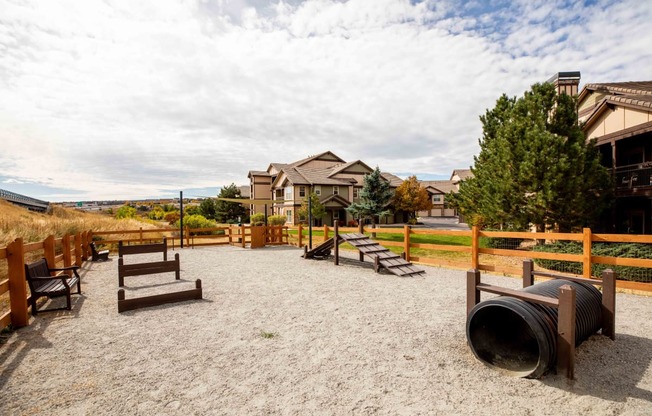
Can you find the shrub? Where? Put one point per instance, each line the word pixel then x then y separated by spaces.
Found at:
pixel 197 221
pixel 193 210
pixel 625 250
pixel 156 214
pixel 500 242
pixel 172 217
pixel 125 211
pixel 276 220
pixel 257 219
pixel 352 223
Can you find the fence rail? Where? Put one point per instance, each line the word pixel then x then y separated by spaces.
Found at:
pixel 75 249
pixel 458 249
pixel 502 260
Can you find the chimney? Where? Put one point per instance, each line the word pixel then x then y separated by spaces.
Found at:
pixel 566 82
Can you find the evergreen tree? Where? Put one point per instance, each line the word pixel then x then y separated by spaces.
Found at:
pixel 226 211
pixel 412 197
pixel 534 167
pixel 374 198
pixel 207 208
pixel 318 209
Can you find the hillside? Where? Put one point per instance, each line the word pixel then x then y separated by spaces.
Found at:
pixel 34 226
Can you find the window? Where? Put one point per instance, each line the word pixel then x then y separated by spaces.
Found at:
pixel 289 216
pixel 288 192
pixel 436 199
pixel 318 190
pixel 356 192
pixel 302 191
pixel 336 215
pixel 336 190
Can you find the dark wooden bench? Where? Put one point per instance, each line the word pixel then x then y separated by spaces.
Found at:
pixel 98 255
pixel 42 283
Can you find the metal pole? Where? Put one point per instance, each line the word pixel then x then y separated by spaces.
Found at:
pixel 310 219
pixel 181 216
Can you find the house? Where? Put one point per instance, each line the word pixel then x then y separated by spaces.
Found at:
pixel 618 115
pixel 336 182
pixel 438 191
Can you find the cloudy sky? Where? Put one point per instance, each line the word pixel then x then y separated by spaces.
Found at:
pixel 137 99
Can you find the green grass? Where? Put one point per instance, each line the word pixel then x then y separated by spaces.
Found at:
pixel 268 335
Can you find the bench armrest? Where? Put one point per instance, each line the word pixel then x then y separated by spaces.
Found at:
pixel 63 269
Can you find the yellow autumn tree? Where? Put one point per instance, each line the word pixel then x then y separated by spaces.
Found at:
pixel 412 197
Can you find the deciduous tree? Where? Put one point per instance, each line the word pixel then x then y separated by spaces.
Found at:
pixel 410 196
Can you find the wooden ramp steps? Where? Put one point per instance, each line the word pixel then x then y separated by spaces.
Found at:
pixel 382 256
pixel 321 251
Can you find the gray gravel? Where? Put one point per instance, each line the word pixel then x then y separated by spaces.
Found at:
pixel 276 334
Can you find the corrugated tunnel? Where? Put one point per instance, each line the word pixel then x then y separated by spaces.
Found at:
pixel 520 337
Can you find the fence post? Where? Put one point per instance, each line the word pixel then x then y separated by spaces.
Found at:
pixel 566 331
pixel 17 283
pixel 188 237
pixel 609 303
pixel 586 258
pixel 406 242
pixel 472 292
pixel 528 268
pixel 361 231
pixel 84 246
pixel 67 258
pixel 336 247
pixel 325 232
pixel 242 235
pixel 141 235
pixel 475 247
pixel 300 232
pixel 78 252
pixel 48 250
pixel 89 239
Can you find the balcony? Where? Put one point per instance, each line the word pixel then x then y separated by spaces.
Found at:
pixel 634 179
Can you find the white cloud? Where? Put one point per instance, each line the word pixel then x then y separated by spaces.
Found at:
pixel 121 99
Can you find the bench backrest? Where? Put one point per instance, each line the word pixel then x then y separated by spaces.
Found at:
pixel 37 269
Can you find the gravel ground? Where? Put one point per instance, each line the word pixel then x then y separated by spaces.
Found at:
pixel 276 334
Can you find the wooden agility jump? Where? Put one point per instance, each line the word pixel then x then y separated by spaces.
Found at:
pixel 139 269
pixel 144 248
pixel 156 300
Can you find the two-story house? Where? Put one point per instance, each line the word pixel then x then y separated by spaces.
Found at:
pixel 336 182
pixel 618 115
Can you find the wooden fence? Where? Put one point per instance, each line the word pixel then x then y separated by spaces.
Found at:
pixel 65 251
pixel 499 260
pixel 75 249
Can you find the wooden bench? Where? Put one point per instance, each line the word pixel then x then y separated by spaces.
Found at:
pixel 42 283
pixel 98 255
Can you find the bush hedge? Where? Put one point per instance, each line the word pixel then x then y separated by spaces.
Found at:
pixel 625 250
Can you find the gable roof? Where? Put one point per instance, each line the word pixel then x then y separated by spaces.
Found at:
pixel 637 95
pixel 328 155
pixel 462 174
pixel 441 186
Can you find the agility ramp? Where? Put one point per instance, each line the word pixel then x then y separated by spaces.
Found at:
pixel 381 256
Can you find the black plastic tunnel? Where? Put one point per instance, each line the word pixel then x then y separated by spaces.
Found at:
pixel 520 337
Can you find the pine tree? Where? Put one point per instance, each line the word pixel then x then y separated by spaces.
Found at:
pixel 226 211
pixel 410 196
pixel 374 198
pixel 534 167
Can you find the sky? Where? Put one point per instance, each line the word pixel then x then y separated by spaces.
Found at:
pixel 132 100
